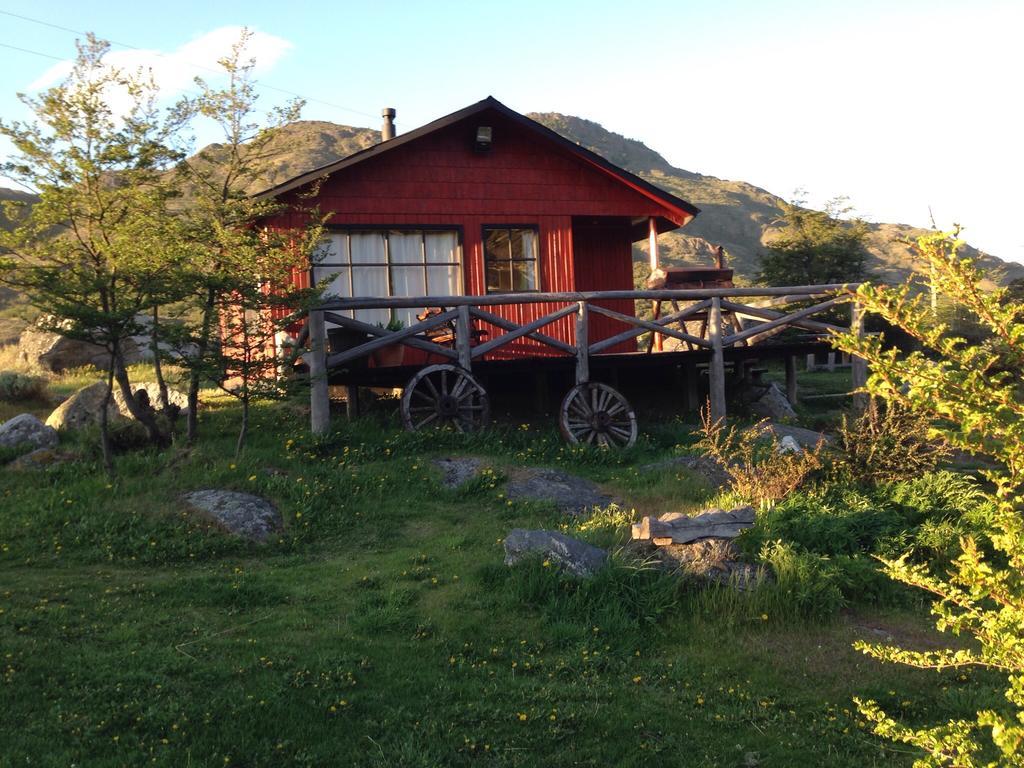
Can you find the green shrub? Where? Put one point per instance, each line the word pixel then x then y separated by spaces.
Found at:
pixel 886 442
pixel 796 586
pixel 626 595
pixel 18 387
pixel 760 473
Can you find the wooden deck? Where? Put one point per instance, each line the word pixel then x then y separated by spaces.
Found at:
pixel 714 329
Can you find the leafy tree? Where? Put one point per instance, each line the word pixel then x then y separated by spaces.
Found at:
pixel 976 404
pixel 816 247
pixel 242 291
pixel 89 254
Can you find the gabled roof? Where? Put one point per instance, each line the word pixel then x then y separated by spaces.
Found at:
pixel 685 210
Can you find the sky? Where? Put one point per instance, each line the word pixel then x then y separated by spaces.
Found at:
pixel 913 110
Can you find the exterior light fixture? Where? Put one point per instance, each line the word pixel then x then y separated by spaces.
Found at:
pixel 482 143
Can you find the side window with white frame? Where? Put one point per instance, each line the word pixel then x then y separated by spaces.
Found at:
pixel 392 262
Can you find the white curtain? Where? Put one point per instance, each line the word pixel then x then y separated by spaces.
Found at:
pixel 393 263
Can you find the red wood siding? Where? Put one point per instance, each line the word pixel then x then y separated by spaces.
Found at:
pixel 604 262
pixel 438 180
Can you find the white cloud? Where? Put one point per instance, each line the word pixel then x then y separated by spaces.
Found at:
pixel 175 71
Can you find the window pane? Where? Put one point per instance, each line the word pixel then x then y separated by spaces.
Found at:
pixel 525 243
pixel 524 276
pixel 407 281
pixel 339 285
pixel 496 244
pixel 499 276
pixel 443 281
pixel 405 247
pixel 333 249
pixel 370 281
pixel 441 247
pixel 407 317
pixel 367 248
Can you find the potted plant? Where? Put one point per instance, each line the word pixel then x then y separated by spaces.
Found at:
pixel 393 354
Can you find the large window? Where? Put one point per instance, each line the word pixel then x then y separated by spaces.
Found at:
pixel 510 255
pixel 390 263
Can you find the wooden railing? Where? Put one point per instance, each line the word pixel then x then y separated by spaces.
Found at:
pixel 724 323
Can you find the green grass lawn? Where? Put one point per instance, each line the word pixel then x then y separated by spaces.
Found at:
pixel 381 628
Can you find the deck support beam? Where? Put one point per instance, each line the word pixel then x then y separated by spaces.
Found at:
pixel 463 338
pixel 352 402
pixel 716 371
pixel 582 346
pixel 791 386
pixel 652 246
pixel 319 396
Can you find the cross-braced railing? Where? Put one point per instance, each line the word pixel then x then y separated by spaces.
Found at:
pixel 712 319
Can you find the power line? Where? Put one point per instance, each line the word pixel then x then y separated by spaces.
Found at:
pixel 34 53
pixel 261 84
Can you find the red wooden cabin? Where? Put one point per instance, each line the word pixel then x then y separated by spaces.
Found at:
pixel 483 201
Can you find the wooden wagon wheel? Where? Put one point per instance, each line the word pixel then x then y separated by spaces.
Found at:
pixel 444 395
pixel 596 414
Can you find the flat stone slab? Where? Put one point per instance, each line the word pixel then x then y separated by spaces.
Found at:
pixel 242 514
pixel 457 471
pixel 26 429
pixel 571 494
pixel 572 555
pixel 677 528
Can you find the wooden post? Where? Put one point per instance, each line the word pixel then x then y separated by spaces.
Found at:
pixel 652 246
pixel 463 337
pixel 352 402
pixel 319 398
pixel 858 365
pixel 582 346
pixel 716 371
pixel 791 391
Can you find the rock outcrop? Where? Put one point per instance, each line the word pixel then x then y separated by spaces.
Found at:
pixel 26 429
pixel 571 555
pixel 241 514
pixel 571 494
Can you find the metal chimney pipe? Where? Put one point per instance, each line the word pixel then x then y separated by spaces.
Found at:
pixel 387 131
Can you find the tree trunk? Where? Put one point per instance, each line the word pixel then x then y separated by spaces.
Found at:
pixel 244 430
pixel 108 459
pixel 142 414
pixel 154 338
pixel 202 347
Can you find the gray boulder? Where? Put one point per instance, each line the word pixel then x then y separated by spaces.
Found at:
pixel 83 409
pixel 152 390
pixel 52 352
pixel 773 404
pixel 457 471
pixel 571 494
pixel 572 555
pixel 40 458
pixel 242 514
pixel 26 429
pixel 805 438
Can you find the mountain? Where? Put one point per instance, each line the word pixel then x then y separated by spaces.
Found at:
pixel 12 311
pixel 739 216
pixel 734 214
